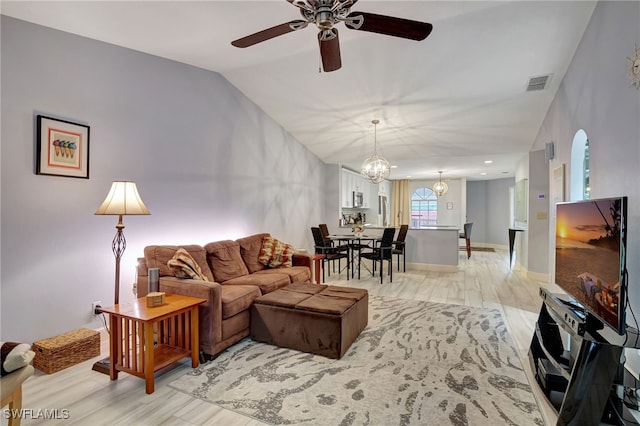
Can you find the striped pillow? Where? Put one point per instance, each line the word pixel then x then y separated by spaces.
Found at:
pixel 184 266
pixel 275 253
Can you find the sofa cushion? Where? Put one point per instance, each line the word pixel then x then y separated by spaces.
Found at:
pixel 266 282
pixel 184 266
pixel 225 260
pixel 158 256
pixel 250 251
pixel 237 298
pixel 297 274
pixel 275 253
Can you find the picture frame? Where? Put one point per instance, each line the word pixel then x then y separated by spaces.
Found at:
pixel 62 148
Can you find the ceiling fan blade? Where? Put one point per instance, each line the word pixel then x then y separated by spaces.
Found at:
pixel 388 25
pixel 269 33
pixel 330 50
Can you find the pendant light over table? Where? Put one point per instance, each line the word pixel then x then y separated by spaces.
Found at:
pixel 375 168
pixel 440 188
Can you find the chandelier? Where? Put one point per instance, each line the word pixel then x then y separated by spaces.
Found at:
pixel 375 168
pixel 440 187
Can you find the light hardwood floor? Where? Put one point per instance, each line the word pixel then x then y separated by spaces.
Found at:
pixel 91 398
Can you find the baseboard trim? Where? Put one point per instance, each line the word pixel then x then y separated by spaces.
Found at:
pixel 432 267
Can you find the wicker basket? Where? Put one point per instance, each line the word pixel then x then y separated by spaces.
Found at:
pixel 59 352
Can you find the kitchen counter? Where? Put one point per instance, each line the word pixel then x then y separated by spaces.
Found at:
pixel 429 248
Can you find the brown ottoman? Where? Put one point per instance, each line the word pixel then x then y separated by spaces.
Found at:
pixel 320 319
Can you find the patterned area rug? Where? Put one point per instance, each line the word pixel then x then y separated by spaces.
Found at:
pixel 416 363
pixel 490 249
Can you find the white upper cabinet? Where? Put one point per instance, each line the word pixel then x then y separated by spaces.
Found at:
pixel 353 182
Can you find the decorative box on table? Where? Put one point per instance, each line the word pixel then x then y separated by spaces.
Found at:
pixel 155 298
pixel 59 352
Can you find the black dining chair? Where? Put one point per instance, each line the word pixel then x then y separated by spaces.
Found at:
pixel 399 246
pixel 466 235
pixel 325 231
pixel 325 234
pixel 381 252
pixel 331 254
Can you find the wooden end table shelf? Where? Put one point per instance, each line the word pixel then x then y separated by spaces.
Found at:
pixel 134 327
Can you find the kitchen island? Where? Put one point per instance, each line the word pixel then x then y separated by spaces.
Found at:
pixel 430 248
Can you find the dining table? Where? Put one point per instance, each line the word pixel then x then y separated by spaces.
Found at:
pixel 355 243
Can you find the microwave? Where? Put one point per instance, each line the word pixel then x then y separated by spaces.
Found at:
pixel 358 199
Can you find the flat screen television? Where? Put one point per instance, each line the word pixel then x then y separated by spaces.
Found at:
pixel 591 256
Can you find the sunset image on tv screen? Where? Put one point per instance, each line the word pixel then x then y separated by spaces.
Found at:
pixel 588 255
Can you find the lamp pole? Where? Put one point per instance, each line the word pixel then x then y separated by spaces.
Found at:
pixel 118 246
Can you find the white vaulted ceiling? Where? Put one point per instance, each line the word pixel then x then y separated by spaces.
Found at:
pixel 447 103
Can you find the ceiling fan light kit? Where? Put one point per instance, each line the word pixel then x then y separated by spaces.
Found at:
pixel 375 168
pixel 327 13
pixel 440 188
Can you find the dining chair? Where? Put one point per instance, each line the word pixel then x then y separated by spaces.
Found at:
pixel 325 231
pixel 382 252
pixel 331 254
pixel 326 235
pixel 399 246
pixel 466 235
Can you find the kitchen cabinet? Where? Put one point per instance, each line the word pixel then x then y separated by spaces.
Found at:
pixel 353 182
pixel 346 196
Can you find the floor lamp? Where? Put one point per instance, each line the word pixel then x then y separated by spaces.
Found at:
pixel 122 199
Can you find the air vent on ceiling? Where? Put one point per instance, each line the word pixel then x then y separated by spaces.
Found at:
pixel 538 83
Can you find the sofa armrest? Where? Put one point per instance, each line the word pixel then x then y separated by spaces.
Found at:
pixel 210 312
pixel 303 259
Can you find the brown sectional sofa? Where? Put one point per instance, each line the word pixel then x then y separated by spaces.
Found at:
pixel 236 279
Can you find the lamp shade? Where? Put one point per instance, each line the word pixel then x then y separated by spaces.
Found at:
pixel 123 199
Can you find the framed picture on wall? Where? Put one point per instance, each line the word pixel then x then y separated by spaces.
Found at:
pixel 62 148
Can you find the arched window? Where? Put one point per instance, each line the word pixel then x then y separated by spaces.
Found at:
pixel 579 184
pixel 424 208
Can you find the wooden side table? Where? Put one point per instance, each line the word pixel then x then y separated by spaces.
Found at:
pixel 132 348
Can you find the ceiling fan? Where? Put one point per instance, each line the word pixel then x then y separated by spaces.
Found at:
pixel 325 14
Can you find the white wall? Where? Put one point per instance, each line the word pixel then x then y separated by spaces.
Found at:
pixel 209 164
pixel 488 209
pixel 446 217
pixel 596 96
pixel 538 206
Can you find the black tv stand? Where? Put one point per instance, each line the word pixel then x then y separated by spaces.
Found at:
pixel 580 372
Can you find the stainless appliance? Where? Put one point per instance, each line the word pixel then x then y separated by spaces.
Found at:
pixel 358 199
pixel 383 209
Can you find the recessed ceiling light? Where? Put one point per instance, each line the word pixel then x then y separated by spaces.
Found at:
pixel 483 174
pixel 408 176
pixel 488 161
pixel 394 167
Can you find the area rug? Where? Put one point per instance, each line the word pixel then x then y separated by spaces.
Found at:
pixel 489 249
pixel 416 363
